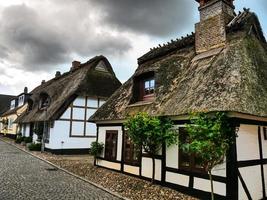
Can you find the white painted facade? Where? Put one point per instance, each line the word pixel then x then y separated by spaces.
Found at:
pixel 247 149
pixel 72 131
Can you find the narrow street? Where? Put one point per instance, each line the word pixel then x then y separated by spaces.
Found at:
pixel 25 177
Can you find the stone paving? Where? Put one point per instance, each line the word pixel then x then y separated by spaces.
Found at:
pixel 24 177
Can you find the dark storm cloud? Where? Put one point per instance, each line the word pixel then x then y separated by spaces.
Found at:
pixel 38 42
pixel 156 17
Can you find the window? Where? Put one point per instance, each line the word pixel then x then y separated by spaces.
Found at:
pixel 30 105
pixel 13 104
pixel 111 145
pixel 148 89
pixel 131 152
pixel 44 101
pixel 188 162
pixel 149 86
pixel 21 100
pixel 10 123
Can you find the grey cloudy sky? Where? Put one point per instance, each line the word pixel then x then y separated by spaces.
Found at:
pixel 39 37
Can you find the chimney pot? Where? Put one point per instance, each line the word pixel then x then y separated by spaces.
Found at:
pixel 26 90
pixel 58 74
pixel 43 81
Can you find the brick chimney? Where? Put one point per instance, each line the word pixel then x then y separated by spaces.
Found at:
pixel 25 90
pixel 75 65
pixel 211 30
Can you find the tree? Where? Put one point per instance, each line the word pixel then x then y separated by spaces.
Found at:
pixel 209 139
pixel 150 133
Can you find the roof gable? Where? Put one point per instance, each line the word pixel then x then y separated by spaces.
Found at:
pixel 63 90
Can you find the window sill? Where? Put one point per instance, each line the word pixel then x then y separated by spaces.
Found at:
pixel 140 103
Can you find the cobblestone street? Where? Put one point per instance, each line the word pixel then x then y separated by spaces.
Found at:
pixel 25 177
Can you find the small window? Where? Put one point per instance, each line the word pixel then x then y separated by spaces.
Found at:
pixel 111 145
pixel 147 89
pixel 30 105
pixel 188 162
pixel 131 152
pixel 149 86
pixel 44 101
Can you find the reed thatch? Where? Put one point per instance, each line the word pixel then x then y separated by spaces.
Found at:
pixel 232 78
pixel 62 90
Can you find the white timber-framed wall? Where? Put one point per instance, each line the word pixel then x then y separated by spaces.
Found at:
pixel 72 131
pixel 167 170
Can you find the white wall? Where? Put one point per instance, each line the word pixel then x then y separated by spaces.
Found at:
pixel 248 149
pixel 247 143
pixel 252 178
pixel 60 139
pixel 147 168
pixel 82 133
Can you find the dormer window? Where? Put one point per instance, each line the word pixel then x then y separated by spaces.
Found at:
pixel 12 104
pixel 144 87
pixel 30 104
pixel 44 101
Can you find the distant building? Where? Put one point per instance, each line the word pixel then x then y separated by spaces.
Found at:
pixel 220 67
pixel 60 107
pixel 17 105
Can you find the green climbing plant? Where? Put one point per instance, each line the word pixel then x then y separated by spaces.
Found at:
pixel 150 133
pixel 210 137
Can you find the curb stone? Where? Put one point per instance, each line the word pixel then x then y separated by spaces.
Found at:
pixel 68 172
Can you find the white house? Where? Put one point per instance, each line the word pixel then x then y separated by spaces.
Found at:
pixel 60 107
pixel 220 68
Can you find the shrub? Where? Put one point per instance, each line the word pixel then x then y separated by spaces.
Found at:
pixel 96 148
pixel 19 139
pixel 35 147
pixel 27 140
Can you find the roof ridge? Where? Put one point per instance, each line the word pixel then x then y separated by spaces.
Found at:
pixel 239 17
pixel 164 49
pixel 90 61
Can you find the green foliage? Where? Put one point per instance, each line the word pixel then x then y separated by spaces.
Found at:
pixel 27 139
pixel 150 132
pixel 210 138
pixel 19 139
pixel 35 147
pixel 96 148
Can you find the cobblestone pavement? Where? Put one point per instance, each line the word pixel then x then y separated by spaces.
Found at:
pixel 24 177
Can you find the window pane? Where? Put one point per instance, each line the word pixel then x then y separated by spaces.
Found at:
pixel 111 145
pixel 147 84
pixel 152 84
pixel 92 103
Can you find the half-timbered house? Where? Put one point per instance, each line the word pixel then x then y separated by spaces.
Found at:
pixel 4 106
pixel 222 67
pixel 17 105
pixel 58 109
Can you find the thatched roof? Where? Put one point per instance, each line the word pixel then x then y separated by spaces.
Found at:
pixel 233 78
pixel 5 102
pixel 62 90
